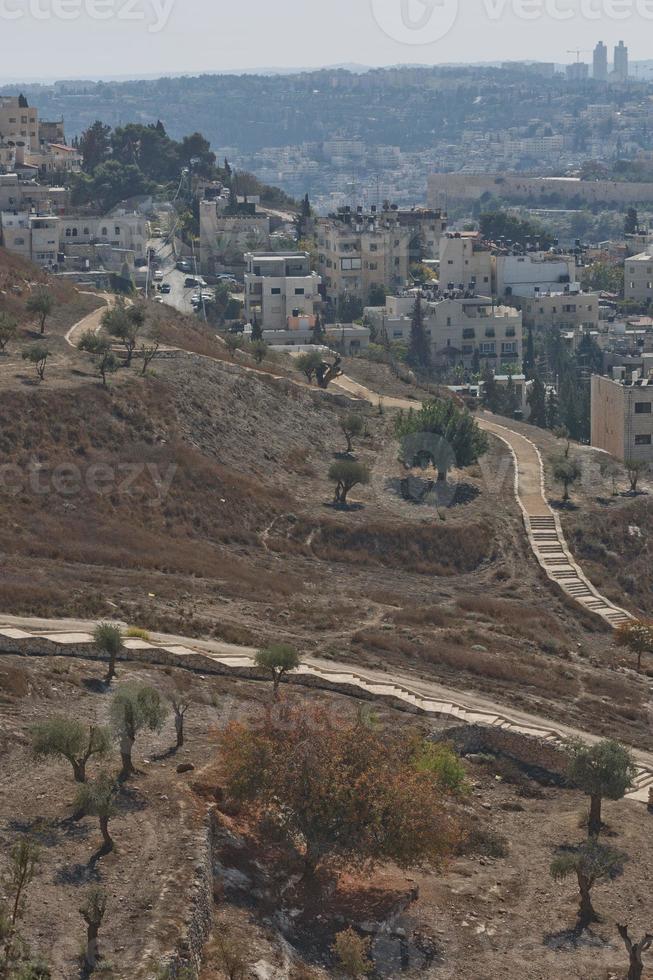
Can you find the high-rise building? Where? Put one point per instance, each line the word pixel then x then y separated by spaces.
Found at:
pixel 601 62
pixel 621 63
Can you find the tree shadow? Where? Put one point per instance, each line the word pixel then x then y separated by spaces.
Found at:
pixel 344 508
pixel 78 874
pixel 96 685
pixel 572 939
pixel 168 754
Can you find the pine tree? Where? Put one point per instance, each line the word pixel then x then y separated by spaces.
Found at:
pixel 419 353
pixel 319 333
pixel 257 332
pixel 552 410
pixel 529 356
pixel 537 403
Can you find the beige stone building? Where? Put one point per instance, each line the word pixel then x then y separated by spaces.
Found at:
pixel 360 249
pixel 225 237
pixel 18 122
pixel 460 330
pixel 638 278
pixel 622 417
pixel 571 311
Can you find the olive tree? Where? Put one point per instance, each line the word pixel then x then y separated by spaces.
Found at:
pixel 346 474
pixel 566 471
pixel 277 660
pixel 40 304
pixel 97 798
pixel 38 356
pixel 181 697
pixel 636 469
pixel 590 862
pixel 109 641
pixel 637 635
pixel 101 350
pixel 92 911
pixel 135 707
pixel 605 770
pixel 352 425
pixel 636 951
pixel 309 364
pixel 70 739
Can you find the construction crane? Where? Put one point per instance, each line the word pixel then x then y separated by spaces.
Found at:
pixel 578 52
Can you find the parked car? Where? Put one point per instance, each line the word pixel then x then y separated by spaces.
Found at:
pixel 166 287
pixel 158 276
pixel 184 266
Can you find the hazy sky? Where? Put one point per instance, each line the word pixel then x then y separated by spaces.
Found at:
pixel 91 38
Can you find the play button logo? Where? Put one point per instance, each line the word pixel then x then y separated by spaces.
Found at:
pixel 415 21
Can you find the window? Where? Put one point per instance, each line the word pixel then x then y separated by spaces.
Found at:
pixel 643 440
pixel 469 333
pixel 490 332
pixel 488 350
pixel 374 266
pixel 643 408
pixel 347 265
pixel 116 230
pixel 105 231
pixel 275 291
pixel 509 348
pixel 374 248
pixel 299 291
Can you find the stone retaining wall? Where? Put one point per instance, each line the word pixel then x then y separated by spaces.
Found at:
pixel 525 749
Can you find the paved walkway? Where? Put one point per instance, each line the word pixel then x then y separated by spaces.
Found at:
pixel 40 637
pixel 542 523
pixel 74 638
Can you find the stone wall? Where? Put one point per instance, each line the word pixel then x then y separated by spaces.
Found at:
pixel 531 752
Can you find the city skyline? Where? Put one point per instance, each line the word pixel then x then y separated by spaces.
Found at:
pixel 158 37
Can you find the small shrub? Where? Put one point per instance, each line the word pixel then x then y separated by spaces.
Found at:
pixel 136 633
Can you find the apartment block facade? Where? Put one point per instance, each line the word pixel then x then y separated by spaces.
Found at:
pixel 570 311
pixel 359 249
pixel 461 330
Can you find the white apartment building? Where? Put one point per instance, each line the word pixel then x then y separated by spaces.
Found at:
pixel 124 231
pixel 534 272
pixel 33 237
pixel 40 237
pixel 460 330
pixel 638 278
pixel 466 261
pixel 279 286
pixel 622 417
pixel 226 237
